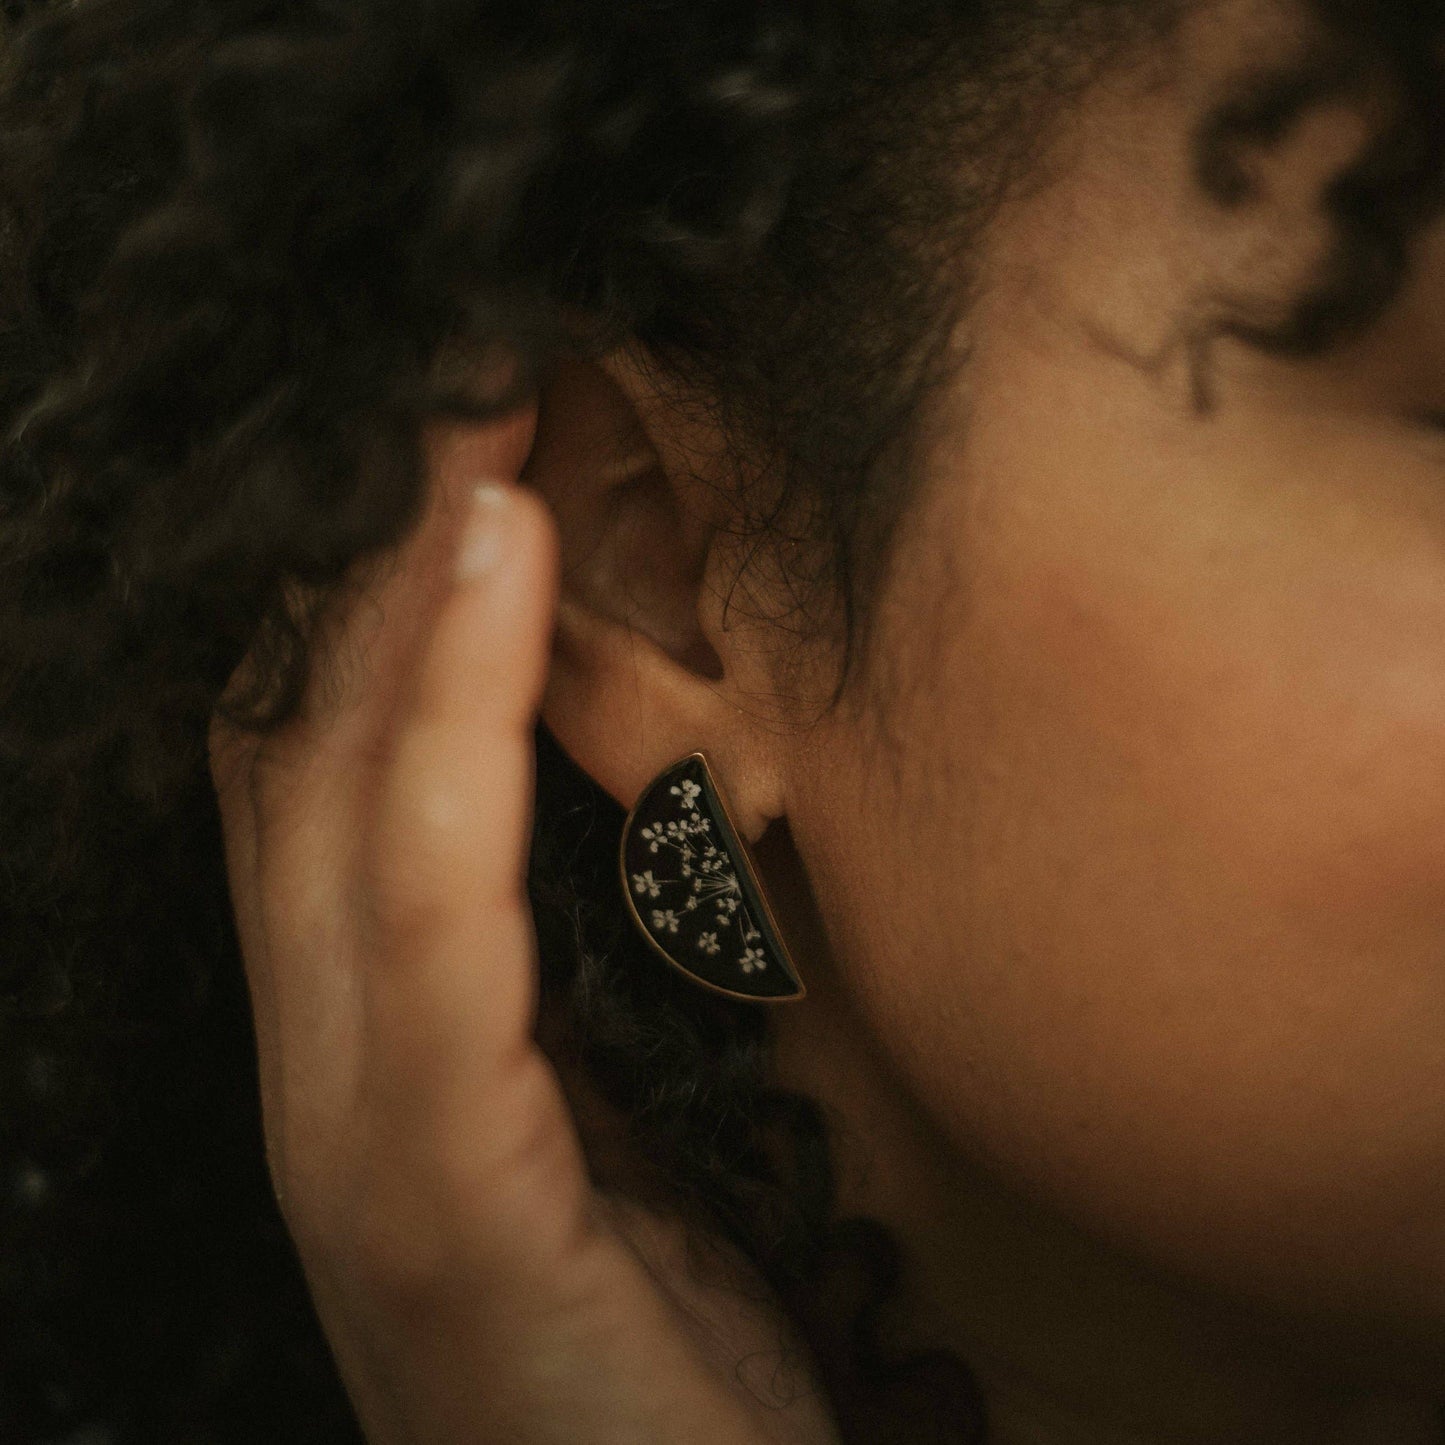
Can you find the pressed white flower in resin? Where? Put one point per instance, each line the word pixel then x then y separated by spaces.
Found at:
pixel 701 911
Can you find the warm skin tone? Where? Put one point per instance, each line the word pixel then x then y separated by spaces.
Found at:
pixel 1120 888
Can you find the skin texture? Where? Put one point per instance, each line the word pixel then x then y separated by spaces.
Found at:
pixel 1117 885
pixel 1121 892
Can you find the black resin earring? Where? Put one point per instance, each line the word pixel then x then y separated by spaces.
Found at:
pixel 692 889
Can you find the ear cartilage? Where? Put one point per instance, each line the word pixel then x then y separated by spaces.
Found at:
pixel 693 890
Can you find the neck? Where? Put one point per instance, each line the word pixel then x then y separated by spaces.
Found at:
pixel 1072 1342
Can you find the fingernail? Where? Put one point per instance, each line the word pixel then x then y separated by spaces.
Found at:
pixel 481 547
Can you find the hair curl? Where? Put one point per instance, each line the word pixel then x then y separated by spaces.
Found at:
pixel 248 248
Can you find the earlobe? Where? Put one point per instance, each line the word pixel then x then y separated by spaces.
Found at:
pixel 625 711
pixel 619 705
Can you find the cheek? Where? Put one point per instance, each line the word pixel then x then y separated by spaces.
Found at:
pixel 1172 915
pixel 1282 714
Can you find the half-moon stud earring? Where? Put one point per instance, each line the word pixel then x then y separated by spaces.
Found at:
pixel 693 890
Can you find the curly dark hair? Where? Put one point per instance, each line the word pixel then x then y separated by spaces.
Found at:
pixel 248 249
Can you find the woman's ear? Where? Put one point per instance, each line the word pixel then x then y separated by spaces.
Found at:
pixel 646 667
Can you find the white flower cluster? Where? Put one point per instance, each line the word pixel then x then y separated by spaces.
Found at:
pixel 712 881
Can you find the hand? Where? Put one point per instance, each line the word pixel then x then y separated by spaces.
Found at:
pixel 473 1285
